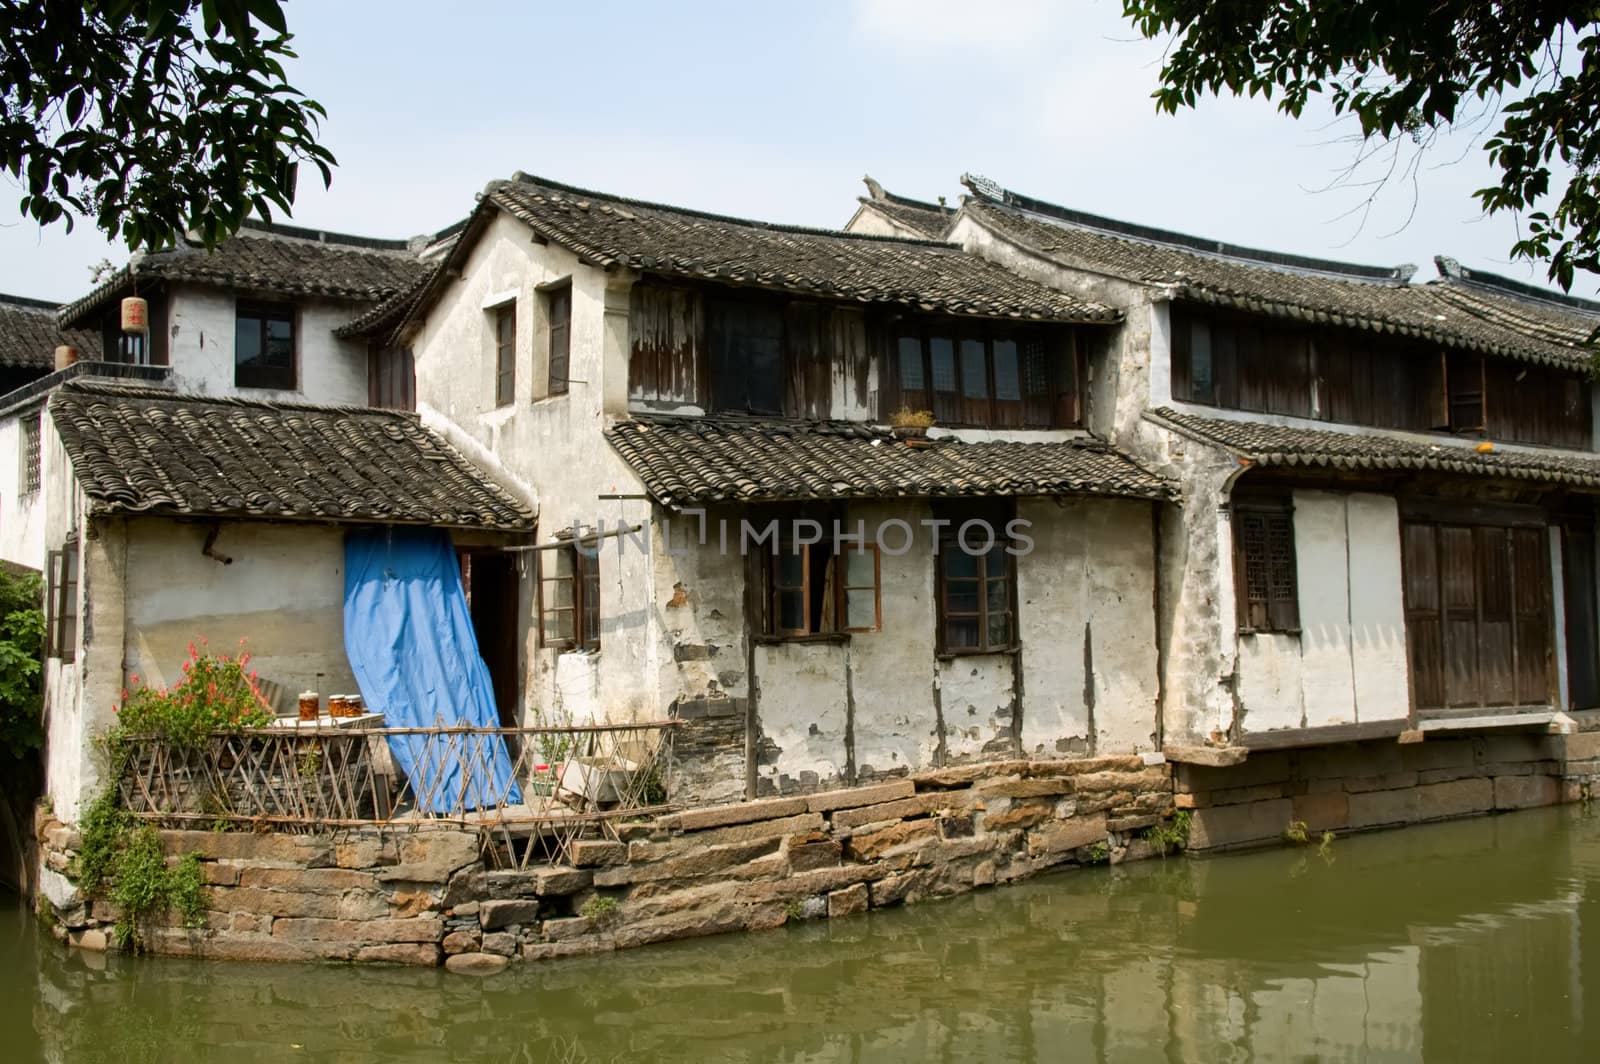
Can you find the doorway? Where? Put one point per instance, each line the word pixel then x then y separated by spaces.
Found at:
pixel 490 580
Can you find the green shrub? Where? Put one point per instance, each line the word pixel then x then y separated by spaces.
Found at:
pixel 1164 838
pixel 21 648
pixel 215 694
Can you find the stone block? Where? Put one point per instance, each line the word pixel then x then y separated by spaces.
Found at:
pixel 892 890
pixel 557 882
pixel 870 847
pixel 416 929
pixel 59 890
pixel 1520 747
pixel 1525 792
pixel 364 851
pixel 852 797
pixel 309 880
pixel 1373 809
pixel 1018 787
pixel 502 913
pixel 849 901
pixel 1021 815
pixel 983 874
pixel 1324 811
pixel 502 943
pixel 432 856
pixel 371 905
pixel 90 938
pixel 217 874
pixel 1078 766
pixel 286 851
pixel 544 951
pixel 1122 825
pixel 920 805
pixel 764 829
pixel 966 775
pixel 1065 835
pixel 1438 754
pixel 743 813
pixel 462 942
pixel 479 964
pixel 1239 825
pixel 1453 798
pixel 1583 746
pixel 180 942
pixel 819 853
pixel 274 902
pixel 957 826
pixel 594 853
pixel 417 954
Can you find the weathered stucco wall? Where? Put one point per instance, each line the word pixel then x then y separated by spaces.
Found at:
pixel 22 532
pixel 200 348
pixel 282 595
pixel 550 446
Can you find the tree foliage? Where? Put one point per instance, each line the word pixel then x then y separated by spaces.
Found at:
pixel 21 643
pixel 1408 69
pixel 155 117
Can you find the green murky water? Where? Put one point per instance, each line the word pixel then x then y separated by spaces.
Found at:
pixel 1478 940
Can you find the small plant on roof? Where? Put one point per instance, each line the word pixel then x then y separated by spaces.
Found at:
pixel 907 418
pixel 217 693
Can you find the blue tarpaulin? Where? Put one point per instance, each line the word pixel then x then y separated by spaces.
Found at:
pixel 409 638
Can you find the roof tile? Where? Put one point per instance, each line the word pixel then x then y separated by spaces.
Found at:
pixel 724 459
pixel 146 450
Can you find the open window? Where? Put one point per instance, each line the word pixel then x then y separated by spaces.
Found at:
pixel 391 378
pixel 61 603
pixel 569 596
pixel 558 313
pixel 807 590
pixel 977 585
pixel 264 346
pixel 745 340
pixel 505 353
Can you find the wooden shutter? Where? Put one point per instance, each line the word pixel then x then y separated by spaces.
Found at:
pixel 1583 619
pixel 559 301
pixel 1265 580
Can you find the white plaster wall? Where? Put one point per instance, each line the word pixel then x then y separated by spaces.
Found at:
pixel 552 448
pixel 22 533
pixel 976 693
pixel 873 222
pixel 1348 664
pixel 200 349
pixel 892 671
pixel 283 596
pixel 1322 560
pixel 804 709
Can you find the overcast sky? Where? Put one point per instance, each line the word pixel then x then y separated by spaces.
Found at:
pixel 775 113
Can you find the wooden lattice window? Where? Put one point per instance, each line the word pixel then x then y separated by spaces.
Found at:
pixel 558 304
pixel 569 597
pixel 505 354
pixel 30 453
pixel 1264 564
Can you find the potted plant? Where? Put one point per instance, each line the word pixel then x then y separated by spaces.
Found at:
pixel 908 424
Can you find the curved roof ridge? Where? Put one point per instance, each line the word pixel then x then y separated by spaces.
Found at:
pixel 522 178
pixel 990 193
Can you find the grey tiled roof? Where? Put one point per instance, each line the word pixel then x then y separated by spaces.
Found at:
pixel 1287 286
pixel 147 450
pixel 29 335
pixel 928 219
pixel 1278 445
pixel 1547 316
pixel 722 459
pixel 610 231
pixel 275 259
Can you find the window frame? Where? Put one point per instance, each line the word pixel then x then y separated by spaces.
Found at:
pixel 1275 612
pixel 949 542
pixel 954 407
pixel 31 476
pixel 505 352
pixel 769 590
pixel 61 602
pixel 584 630
pixel 559 332
pixel 265 311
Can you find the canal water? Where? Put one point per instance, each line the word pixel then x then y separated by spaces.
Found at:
pixel 1476 940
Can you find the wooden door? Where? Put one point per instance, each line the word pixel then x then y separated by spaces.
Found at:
pixel 1583 631
pixel 1477 604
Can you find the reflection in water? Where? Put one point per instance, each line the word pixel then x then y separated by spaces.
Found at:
pixel 1465 941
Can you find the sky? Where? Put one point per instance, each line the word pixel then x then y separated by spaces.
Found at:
pixel 776 111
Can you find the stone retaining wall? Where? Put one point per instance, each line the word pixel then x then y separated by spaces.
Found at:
pixel 1380 784
pixel 424 897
